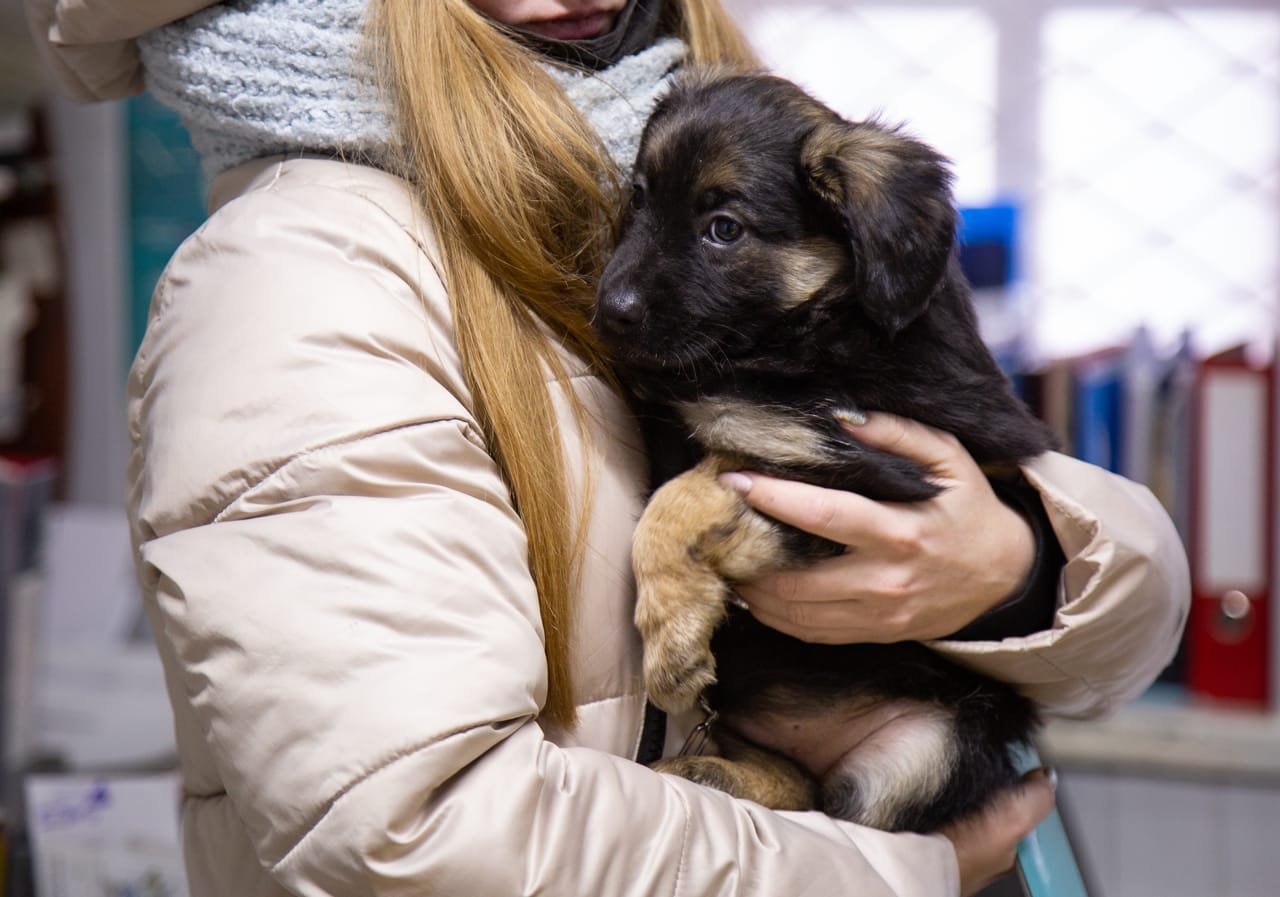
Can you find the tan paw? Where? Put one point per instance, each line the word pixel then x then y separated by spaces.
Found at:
pixel 678 667
pixel 714 772
pixel 776 783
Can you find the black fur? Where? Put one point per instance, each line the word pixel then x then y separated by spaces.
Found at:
pixel 889 326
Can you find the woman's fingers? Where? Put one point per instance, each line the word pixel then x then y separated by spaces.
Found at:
pixel 837 601
pixel 918 570
pixel 986 843
pixel 905 437
pixel 842 517
pixel 845 517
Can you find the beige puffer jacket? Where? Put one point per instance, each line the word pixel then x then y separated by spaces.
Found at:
pixel 337 583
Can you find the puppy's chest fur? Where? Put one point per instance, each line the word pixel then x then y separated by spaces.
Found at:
pixel 780 438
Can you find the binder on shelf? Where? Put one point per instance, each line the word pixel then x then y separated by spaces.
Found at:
pixel 1098 421
pixel 1049 392
pixel 1139 379
pixel 1169 468
pixel 1274 517
pixel 1233 489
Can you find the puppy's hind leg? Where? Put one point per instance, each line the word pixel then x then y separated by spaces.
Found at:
pixel 896 778
pixel 693 538
pixel 749 772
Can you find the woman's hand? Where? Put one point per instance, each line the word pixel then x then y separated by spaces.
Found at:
pixel 986 843
pixel 912 571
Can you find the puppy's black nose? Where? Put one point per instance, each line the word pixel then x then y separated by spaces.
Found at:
pixel 618 312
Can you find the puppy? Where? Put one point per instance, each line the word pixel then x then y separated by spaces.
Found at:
pixel 779 268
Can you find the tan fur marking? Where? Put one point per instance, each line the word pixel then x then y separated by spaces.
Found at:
pixel 658 147
pixel 694 537
pixel 718 174
pixel 741 427
pixel 807 109
pixel 807 267
pixel 851 163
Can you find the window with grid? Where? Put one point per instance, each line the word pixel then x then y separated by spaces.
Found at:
pixel 1142 144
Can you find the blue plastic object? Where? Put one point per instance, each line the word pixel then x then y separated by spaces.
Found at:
pixel 1047 863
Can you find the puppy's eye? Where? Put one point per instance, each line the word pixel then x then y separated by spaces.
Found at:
pixel 723 229
pixel 637 197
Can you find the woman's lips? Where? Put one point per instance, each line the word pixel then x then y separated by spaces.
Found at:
pixel 578 28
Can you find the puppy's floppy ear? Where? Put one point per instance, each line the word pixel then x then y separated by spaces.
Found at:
pixel 894 195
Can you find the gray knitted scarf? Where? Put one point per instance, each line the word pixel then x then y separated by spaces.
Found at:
pixel 251 78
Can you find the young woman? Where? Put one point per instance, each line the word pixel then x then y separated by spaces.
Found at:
pixel 382 487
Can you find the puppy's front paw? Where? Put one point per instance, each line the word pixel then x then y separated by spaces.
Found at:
pixel 683 544
pixel 678 666
pixel 677 610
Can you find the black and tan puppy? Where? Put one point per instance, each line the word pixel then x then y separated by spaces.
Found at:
pixel 778 268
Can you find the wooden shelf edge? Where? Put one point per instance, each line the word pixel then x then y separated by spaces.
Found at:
pixel 1196 742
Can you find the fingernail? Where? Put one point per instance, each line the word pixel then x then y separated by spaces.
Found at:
pixel 736 482
pixel 1052 775
pixel 736 600
pixel 851 416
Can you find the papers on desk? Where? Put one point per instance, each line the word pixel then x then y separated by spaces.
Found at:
pixel 113 836
pixel 101 713
pixel 81 689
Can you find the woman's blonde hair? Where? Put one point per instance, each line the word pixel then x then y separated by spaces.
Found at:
pixel 521 195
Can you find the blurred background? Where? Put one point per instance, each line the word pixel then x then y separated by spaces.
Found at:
pixel 1117 166
pixel 1140 142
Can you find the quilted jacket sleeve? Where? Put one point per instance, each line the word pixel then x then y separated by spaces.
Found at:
pixel 339 588
pixel 1123 598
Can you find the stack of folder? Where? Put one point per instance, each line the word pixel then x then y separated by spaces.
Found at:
pixel 1201 432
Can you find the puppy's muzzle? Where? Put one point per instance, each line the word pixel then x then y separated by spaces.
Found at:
pixel 619 314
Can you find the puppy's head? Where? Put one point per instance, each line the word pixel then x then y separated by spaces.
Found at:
pixel 758 217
